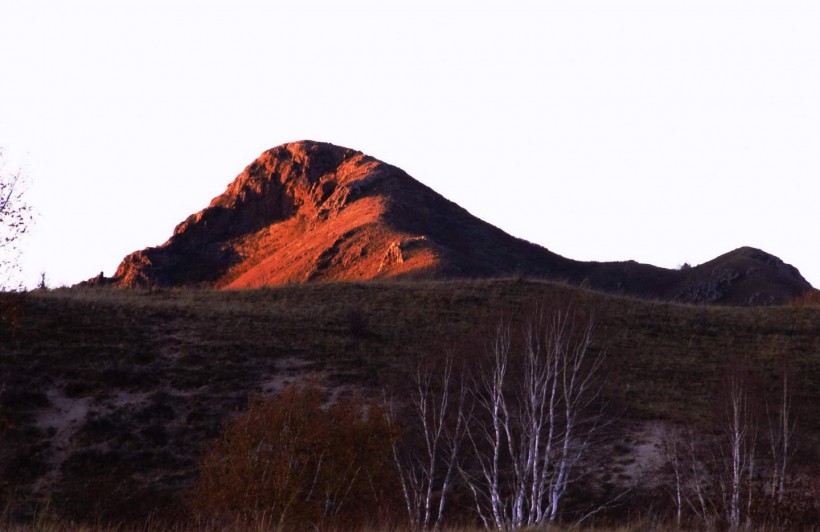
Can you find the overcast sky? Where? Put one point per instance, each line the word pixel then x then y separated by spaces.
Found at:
pixel 660 131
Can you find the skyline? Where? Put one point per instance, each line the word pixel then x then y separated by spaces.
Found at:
pixel 662 132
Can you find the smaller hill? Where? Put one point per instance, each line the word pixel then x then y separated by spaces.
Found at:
pixel 745 276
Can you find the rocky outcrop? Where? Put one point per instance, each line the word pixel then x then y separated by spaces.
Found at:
pixel 310 211
pixel 745 276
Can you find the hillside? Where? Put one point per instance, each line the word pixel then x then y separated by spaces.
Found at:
pixel 308 211
pixel 110 396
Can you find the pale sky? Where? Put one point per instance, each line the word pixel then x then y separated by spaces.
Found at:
pixel 660 131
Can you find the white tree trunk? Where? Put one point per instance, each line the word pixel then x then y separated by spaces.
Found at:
pixel 535 429
pixel 426 478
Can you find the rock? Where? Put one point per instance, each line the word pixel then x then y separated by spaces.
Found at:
pixel 392 256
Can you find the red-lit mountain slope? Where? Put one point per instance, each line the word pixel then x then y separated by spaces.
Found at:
pixel 309 211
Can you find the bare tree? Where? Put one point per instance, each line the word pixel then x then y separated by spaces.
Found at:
pixel 717 474
pixel 690 477
pixel 530 430
pixel 15 219
pixel 675 456
pixel 427 472
pixel 781 427
pixel 738 452
pixel 699 501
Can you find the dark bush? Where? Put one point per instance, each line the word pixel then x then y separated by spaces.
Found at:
pixel 12 306
pixel 358 324
pixel 16 399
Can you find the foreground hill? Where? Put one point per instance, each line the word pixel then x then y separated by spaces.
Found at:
pixel 310 211
pixel 108 397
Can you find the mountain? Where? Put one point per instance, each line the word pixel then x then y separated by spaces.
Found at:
pixel 310 211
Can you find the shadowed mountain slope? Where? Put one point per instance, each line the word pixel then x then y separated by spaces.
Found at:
pixel 309 211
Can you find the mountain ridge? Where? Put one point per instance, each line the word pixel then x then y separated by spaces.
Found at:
pixel 310 211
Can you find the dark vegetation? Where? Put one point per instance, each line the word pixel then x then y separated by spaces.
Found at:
pixel 110 400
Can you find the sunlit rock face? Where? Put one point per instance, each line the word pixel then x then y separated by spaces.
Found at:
pixel 310 211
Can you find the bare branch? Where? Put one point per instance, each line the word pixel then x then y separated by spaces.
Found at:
pixel 15 220
pixel 528 435
pixel 439 420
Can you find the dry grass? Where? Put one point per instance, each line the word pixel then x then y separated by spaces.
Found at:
pixel 152 375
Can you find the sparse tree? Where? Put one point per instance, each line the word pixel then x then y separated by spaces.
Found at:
pixel 737 452
pixel 719 475
pixel 698 481
pixel 675 456
pixel 531 427
pixel 781 427
pixel 427 469
pixel 15 220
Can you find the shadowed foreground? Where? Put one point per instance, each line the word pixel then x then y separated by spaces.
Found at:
pixel 111 397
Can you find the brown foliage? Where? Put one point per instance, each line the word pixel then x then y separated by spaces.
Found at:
pixel 11 314
pixel 809 299
pixel 293 462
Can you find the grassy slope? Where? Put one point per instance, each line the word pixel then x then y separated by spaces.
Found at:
pixel 148 377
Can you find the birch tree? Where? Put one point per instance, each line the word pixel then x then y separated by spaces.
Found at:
pixel 781 427
pixel 738 453
pixel 735 481
pixel 532 426
pixel 672 450
pixel 427 472
pixel 690 479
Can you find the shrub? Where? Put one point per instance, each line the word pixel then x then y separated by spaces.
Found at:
pixel 294 462
pixel 810 298
pixel 12 306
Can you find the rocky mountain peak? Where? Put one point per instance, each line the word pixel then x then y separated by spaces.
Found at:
pixel 312 211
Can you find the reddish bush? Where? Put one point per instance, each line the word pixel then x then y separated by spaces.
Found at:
pixel 291 461
pixel 810 299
